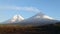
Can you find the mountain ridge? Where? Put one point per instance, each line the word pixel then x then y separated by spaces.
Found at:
pixel 14 19
pixel 38 19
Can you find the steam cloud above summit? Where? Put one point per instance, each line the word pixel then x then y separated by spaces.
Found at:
pixel 34 9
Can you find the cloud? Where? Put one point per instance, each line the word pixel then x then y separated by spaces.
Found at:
pixel 19 8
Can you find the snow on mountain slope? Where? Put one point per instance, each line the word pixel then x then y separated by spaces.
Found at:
pixel 41 15
pixel 15 19
pixel 38 19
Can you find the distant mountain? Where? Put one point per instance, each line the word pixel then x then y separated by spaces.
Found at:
pixel 15 19
pixel 38 19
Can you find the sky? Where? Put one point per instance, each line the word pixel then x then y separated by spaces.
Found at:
pixel 28 8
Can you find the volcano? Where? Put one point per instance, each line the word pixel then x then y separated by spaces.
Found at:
pixel 15 19
pixel 38 19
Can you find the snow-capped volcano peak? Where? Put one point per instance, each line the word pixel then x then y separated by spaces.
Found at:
pixel 19 17
pixel 38 19
pixel 15 19
pixel 41 15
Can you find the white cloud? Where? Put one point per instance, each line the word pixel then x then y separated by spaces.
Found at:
pixel 19 8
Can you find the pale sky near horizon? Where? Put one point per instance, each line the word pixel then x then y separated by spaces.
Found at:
pixel 28 8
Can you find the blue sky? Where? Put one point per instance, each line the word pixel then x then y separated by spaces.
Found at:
pixel 28 8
